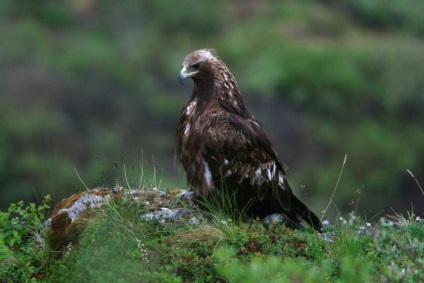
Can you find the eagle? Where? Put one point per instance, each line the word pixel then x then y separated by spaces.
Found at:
pixel 223 148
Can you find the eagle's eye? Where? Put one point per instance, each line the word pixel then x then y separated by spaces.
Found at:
pixel 195 66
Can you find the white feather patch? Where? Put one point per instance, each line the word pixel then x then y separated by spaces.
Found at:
pixel 273 169
pixel 186 129
pixel 190 107
pixel 207 173
pixel 280 178
pixel 268 173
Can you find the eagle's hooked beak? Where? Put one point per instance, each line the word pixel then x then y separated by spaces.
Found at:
pixel 186 73
pixel 183 75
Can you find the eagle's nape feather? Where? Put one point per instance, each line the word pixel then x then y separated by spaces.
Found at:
pixel 222 146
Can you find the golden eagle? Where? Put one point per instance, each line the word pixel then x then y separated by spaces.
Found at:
pixel 221 146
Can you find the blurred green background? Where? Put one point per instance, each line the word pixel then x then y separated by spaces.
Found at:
pixel 91 86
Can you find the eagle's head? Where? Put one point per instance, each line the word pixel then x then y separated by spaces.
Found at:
pixel 198 65
pixel 212 80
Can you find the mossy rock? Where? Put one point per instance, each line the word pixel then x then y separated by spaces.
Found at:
pixel 71 215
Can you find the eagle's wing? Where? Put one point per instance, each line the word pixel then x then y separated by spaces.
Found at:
pixel 236 146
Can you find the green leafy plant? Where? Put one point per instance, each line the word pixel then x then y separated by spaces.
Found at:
pixel 22 251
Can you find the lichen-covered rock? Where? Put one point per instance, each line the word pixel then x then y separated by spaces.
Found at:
pixel 72 214
pixel 165 214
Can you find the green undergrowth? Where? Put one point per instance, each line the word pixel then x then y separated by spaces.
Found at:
pixel 118 245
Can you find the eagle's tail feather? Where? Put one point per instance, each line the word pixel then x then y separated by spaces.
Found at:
pixel 305 213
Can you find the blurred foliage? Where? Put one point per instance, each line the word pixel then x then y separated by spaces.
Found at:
pixel 398 16
pixel 92 85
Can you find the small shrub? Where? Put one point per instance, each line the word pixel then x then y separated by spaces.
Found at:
pixel 22 253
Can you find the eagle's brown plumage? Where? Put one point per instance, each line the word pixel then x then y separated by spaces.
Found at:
pixel 222 146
